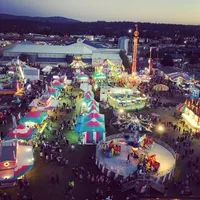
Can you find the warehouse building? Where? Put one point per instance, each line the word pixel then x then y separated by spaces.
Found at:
pixel 50 55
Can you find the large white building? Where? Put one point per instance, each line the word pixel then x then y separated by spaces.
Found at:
pixel 62 55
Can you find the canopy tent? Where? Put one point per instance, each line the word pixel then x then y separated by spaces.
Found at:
pixel 93 108
pixel 93 126
pixel 21 132
pixel 89 93
pixel 160 88
pixel 53 92
pixel 98 75
pixel 90 116
pixel 181 107
pixel 100 119
pixel 38 107
pixel 92 137
pixel 35 117
pixel 82 76
pixel 93 103
pixel 87 99
pixel 58 85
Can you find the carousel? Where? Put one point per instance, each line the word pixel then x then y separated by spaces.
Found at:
pixel 78 64
pixel 144 154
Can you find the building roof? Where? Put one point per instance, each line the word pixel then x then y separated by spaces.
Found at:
pixel 79 47
pixel 76 48
pixel 97 46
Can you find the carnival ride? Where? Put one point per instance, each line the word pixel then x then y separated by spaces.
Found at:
pixel 77 63
pixel 131 123
pixel 126 99
pixel 145 155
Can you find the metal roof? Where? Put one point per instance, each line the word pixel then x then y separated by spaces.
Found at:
pixel 76 48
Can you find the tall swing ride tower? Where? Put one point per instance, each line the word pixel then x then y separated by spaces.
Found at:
pixel 135 46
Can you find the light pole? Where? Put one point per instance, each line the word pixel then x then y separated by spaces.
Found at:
pixel 161 130
pixel 131 40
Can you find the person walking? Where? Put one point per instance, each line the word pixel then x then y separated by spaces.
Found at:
pixel 128 158
pixel 57 178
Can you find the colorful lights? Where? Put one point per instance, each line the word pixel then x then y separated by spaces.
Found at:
pixel 6 164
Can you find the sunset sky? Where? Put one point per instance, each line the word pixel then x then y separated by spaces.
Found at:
pixel 161 11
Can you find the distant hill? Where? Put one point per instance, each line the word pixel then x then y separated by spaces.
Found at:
pixel 62 26
pixel 39 19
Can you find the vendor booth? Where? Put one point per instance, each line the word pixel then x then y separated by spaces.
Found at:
pixel 16 159
pixel 21 132
pixel 44 103
pixel 92 131
pixel 33 118
pixel 191 113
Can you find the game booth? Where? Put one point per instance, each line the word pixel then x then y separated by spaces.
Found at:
pixel 145 156
pixel 16 159
pixel 21 132
pixel 191 113
pixel 44 103
pixel 126 99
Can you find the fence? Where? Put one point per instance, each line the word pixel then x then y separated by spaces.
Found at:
pixel 159 174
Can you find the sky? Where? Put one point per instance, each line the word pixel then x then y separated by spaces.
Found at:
pixel 158 11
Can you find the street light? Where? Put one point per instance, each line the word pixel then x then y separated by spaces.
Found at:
pixel 160 129
pixel 130 31
pixel 121 111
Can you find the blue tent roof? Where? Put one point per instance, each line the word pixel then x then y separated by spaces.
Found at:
pixel 77 128
pixel 85 128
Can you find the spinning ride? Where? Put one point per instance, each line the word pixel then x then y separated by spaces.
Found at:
pixel 146 155
pixel 126 99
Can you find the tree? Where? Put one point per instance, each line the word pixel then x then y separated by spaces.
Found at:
pixel 125 60
pixel 167 60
